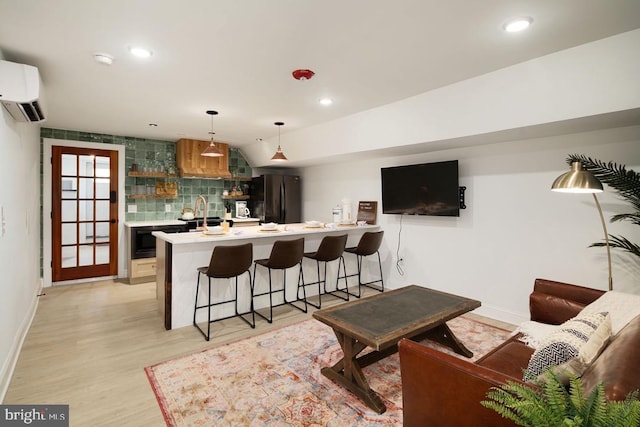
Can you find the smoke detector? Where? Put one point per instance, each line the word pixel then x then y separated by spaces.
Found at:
pixel 302 74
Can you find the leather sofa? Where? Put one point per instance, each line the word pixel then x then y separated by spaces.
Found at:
pixel 439 389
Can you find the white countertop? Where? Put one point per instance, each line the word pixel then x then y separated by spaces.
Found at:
pixel 153 223
pixel 254 232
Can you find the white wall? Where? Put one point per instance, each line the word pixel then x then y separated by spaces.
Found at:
pixel 514 228
pixel 20 243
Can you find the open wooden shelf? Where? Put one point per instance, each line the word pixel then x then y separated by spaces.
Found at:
pixel 243 197
pixel 151 196
pixel 151 175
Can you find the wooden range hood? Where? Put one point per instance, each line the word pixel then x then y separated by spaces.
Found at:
pixel 192 165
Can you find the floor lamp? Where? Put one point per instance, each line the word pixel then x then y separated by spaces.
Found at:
pixel 579 180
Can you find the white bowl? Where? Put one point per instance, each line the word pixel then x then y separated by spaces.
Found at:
pixel 269 226
pixel 215 230
pixel 313 224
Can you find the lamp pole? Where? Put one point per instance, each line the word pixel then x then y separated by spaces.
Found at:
pixel 606 239
pixel 579 180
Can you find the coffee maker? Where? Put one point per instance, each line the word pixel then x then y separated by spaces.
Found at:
pixel 241 210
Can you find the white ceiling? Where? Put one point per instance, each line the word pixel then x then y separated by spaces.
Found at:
pixel 236 56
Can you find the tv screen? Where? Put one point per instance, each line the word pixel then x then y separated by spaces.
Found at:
pixel 423 189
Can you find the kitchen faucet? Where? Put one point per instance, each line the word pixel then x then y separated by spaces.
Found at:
pixel 204 213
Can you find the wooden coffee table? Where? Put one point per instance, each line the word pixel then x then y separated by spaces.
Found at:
pixel 380 322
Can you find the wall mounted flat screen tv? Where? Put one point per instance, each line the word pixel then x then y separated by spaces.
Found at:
pixel 422 189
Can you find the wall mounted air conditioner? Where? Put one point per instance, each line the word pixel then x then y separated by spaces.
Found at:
pixel 20 91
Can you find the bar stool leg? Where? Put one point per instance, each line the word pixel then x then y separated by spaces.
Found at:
pixel 195 308
pixel 209 313
pixel 338 277
pixel 369 284
pixel 319 289
pixel 251 323
pixel 304 292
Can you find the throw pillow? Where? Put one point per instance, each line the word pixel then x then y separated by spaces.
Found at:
pixel 622 308
pixel 572 348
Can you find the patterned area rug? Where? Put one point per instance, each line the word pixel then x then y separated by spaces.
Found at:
pixel 274 379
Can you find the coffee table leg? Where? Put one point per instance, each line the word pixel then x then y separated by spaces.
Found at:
pixel 348 373
pixel 445 336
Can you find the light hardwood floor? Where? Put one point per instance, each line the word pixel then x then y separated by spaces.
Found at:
pixel 89 343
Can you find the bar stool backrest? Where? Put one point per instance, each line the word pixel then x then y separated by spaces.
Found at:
pixel 230 261
pixel 286 253
pixel 331 248
pixel 369 243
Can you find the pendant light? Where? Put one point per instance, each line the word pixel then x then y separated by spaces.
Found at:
pixel 212 150
pixel 279 156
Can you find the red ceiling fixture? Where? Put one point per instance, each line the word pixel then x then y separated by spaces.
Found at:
pixel 302 74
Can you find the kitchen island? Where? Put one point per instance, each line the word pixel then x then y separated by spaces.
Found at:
pixel 180 254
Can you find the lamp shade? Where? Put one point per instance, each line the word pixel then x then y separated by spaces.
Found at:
pixel 279 156
pixel 211 151
pixel 577 180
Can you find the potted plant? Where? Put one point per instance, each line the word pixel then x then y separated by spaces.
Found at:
pixel 625 182
pixel 550 403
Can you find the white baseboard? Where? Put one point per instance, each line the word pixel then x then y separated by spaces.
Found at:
pixel 9 364
pixel 502 314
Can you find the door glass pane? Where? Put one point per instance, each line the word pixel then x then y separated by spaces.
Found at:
pixel 102 253
pixel 102 188
pixel 102 231
pixel 86 210
pixel 87 164
pixel 86 188
pixel 103 165
pixel 69 187
pixel 102 210
pixel 69 164
pixel 69 258
pixel 86 232
pixel 69 234
pixel 86 255
pixel 69 209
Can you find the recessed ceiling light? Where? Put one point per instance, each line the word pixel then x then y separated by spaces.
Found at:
pixel 103 58
pixel 140 52
pixel 326 101
pixel 517 24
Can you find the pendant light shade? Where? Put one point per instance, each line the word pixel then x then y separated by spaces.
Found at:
pixel 279 156
pixel 212 150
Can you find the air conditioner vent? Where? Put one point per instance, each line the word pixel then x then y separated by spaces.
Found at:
pixel 20 92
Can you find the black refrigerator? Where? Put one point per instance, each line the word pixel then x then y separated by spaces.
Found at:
pixel 276 198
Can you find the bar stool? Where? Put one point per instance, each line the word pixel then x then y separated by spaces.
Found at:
pixel 369 244
pixel 331 248
pixel 226 262
pixel 285 254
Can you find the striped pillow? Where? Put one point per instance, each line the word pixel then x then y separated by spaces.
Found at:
pixel 571 348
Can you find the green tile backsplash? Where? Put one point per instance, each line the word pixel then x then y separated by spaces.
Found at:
pixel 161 156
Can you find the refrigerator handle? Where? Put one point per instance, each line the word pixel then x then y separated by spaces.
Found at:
pixel 282 202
